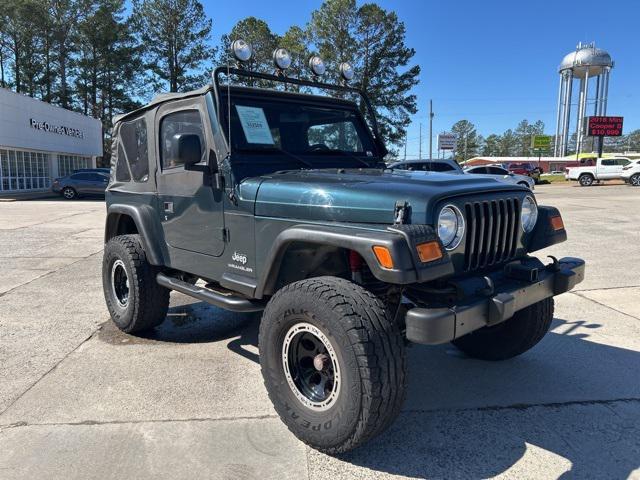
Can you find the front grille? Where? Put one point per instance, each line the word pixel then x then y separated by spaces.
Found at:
pixel 492 232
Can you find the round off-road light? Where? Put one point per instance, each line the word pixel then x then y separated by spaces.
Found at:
pixel 450 227
pixel 346 71
pixel 529 214
pixel 241 50
pixel 316 64
pixel 281 58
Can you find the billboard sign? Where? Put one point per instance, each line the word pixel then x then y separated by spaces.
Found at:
pixel 604 126
pixel 541 142
pixel 447 141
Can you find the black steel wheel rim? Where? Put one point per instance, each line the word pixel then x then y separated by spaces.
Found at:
pixel 120 283
pixel 311 366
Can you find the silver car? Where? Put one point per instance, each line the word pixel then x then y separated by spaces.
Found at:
pixel 502 174
pixel 81 183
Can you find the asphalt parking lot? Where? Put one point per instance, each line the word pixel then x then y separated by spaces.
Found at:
pixel 78 399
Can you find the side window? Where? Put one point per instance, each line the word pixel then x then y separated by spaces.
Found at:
pixel 481 170
pixel 441 167
pixel 608 163
pixel 122 170
pixel 133 138
pixel 171 127
pixel 497 171
pixel 623 161
pixel 82 176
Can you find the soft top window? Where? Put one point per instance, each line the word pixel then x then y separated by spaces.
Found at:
pixel 133 140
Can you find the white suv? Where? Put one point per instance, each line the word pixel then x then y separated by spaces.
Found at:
pixel 631 173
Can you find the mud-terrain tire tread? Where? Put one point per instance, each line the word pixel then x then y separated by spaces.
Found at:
pixel 150 300
pixel 377 342
pixel 511 338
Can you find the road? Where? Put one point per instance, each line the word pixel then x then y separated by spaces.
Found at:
pixel 78 399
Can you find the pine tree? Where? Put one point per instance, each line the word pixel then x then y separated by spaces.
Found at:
pixel 468 142
pixel 175 35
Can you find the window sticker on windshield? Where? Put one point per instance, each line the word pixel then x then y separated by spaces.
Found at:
pixel 255 126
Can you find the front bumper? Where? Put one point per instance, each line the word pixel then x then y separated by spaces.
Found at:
pixel 520 285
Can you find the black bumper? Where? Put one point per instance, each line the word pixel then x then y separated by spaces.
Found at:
pixel 516 288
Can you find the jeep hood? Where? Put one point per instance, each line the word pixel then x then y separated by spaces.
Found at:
pixel 359 196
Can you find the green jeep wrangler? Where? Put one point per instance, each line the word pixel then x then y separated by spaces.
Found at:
pixel 277 200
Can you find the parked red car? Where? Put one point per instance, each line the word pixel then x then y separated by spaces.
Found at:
pixel 526 168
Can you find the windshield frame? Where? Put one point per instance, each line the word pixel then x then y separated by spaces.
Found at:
pixel 222 110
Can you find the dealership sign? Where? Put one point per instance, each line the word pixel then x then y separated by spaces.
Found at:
pixel 604 126
pixel 59 129
pixel 447 141
pixel 541 142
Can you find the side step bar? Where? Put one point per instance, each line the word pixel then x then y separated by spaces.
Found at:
pixel 226 300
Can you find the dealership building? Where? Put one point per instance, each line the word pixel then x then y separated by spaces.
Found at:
pixel 40 142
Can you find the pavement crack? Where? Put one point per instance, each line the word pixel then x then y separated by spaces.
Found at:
pixel 604 305
pixel 67 355
pixel 604 288
pixel 526 406
pixel 50 272
pixel 136 422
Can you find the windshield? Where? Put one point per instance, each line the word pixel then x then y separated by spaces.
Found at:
pixel 312 133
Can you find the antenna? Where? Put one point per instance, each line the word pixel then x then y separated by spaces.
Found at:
pixel 228 105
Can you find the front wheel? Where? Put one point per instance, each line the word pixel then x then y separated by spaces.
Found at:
pixel 511 337
pixel 635 180
pixel 69 193
pixel 333 362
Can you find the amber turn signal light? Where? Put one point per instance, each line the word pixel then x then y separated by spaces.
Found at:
pixel 557 223
pixel 429 251
pixel 384 256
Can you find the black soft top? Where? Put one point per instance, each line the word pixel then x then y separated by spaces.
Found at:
pixel 168 97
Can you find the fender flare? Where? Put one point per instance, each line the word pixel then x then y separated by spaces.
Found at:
pixel 358 239
pixel 143 217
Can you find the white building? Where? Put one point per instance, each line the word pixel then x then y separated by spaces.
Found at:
pixel 40 142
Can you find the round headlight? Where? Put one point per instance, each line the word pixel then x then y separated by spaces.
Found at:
pixel 281 58
pixel 241 50
pixel 528 214
pixel 347 72
pixel 450 227
pixel 316 64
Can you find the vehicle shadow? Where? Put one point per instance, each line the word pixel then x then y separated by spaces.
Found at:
pixel 466 418
pixel 200 322
pixel 463 418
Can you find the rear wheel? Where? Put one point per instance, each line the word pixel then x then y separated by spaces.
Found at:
pixel 586 180
pixel 69 193
pixel 135 300
pixel 511 337
pixel 635 180
pixel 333 362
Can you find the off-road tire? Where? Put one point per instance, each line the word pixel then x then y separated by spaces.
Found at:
pixel 634 181
pixel 69 193
pixel 147 302
pixel 586 180
pixel 511 337
pixel 370 351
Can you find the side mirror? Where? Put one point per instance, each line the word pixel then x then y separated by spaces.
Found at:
pixel 189 149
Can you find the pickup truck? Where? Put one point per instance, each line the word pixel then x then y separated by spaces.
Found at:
pixel 604 169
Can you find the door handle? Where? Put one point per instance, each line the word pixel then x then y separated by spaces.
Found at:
pixel 168 207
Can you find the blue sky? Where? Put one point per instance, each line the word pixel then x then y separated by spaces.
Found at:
pixel 491 62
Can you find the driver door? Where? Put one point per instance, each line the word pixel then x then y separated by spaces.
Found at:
pixel 191 212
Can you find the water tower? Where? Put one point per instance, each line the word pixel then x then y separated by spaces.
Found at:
pixel 589 65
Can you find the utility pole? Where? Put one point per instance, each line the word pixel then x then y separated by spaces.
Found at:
pixel 420 147
pixel 430 130
pixel 465 146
